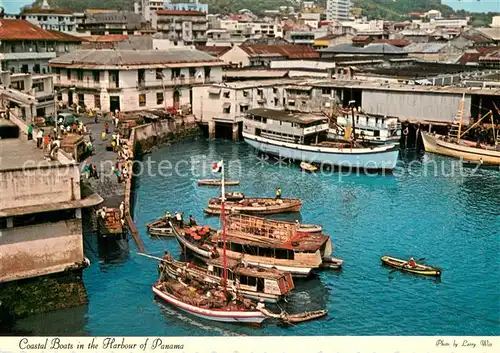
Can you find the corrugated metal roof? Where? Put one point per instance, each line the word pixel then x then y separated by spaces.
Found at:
pixel 108 57
pixel 24 30
pixel 47 11
pixel 287 50
pixel 180 13
pixel 425 48
pixel 374 48
pixel 493 33
pixel 214 50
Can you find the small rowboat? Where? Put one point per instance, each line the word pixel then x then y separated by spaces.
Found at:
pixel 234 196
pixel 403 266
pixel 306 316
pixel 159 227
pixel 310 228
pixel 308 167
pixel 332 263
pixel 218 182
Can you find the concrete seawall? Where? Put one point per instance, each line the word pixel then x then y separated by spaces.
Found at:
pixel 144 138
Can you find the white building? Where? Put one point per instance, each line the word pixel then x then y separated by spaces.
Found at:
pixel 187 6
pixel 252 29
pixel 433 14
pixel 130 80
pixel 337 10
pixel 147 8
pixel 51 19
pixel 495 21
pixel 449 22
pixel 189 27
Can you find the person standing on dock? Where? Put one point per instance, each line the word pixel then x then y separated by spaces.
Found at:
pixel 278 193
pixel 39 138
pixel 30 132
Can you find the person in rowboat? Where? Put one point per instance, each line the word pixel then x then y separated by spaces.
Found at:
pixel 192 221
pixel 411 263
pixel 167 216
pixel 278 193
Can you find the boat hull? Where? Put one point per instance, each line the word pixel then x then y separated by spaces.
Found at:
pixel 419 270
pixel 432 144
pixel 216 210
pixel 195 250
pixel 247 317
pixel 217 182
pixel 383 157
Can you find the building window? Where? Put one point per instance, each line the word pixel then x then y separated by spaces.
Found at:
pixel 97 101
pixel 24 69
pixel 243 108
pixel 260 92
pixel 142 100
pixel 68 74
pixel 96 76
pixel 176 73
pixel 326 91
pixel 192 72
pixel 159 98
pixel 291 103
pixel 227 94
pixel 226 108
pixel 79 75
pixel 36 68
pixel 159 74
pixel 39 87
pixel 245 93
pixel 276 102
pixel 275 90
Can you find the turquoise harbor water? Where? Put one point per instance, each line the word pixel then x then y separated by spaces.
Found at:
pixel 452 221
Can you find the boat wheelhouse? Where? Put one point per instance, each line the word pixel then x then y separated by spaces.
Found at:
pixel 373 128
pixel 303 137
pixel 268 285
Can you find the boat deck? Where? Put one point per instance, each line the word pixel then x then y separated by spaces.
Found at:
pixel 304 242
pixel 237 266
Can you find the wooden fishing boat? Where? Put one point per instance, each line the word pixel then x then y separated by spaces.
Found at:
pixel 217 182
pixel 200 247
pixel 207 303
pixel 455 146
pixel 160 227
pixel 438 144
pixel 308 167
pixel 255 205
pixel 274 244
pixel 403 266
pixel 251 282
pixel 305 316
pixel 309 228
pixel 332 263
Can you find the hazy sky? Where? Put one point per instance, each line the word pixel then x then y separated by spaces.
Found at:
pixel 474 5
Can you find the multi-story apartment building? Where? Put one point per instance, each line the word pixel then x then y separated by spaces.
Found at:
pixel 187 6
pixel 252 29
pixel 189 27
pixel 26 48
pixel 147 8
pixel 115 22
pixel 337 10
pixel 52 19
pixel 130 80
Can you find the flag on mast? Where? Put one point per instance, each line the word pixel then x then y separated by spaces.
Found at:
pixel 217 167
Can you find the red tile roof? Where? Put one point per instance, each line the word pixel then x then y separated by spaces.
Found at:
pixel 289 51
pixel 216 51
pixel 47 11
pixel 492 56
pixel 22 29
pixel 360 38
pixel 64 37
pixel 180 13
pixel 396 42
pixel 479 54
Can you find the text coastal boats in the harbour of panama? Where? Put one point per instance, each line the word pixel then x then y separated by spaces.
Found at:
pixel 455 146
pixel 403 265
pixel 268 285
pixel 303 137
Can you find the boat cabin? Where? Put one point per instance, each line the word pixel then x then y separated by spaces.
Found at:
pixel 372 127
pixel 286 126
pixel 252 279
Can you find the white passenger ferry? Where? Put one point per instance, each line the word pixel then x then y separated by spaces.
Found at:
pixel 303 137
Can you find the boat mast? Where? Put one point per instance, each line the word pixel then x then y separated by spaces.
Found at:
pixel 223 221
pixel 462 102
pixel 352 103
